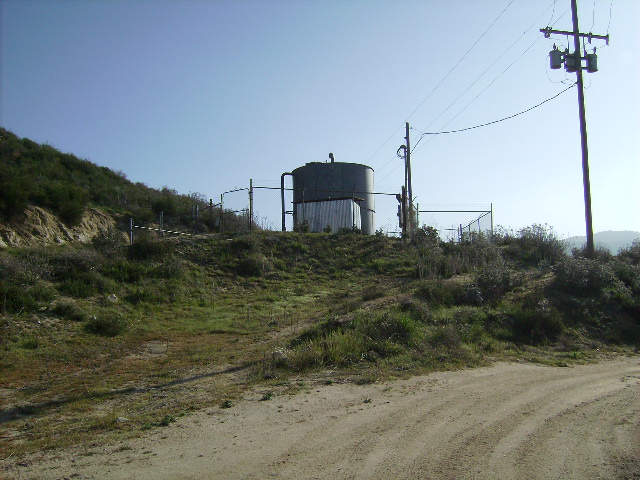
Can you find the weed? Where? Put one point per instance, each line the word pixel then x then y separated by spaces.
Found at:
pixel 167 420
pixel 226 404
pixel 69 310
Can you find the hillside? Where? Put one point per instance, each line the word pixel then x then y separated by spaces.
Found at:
pixel 35 175
pixel 104 340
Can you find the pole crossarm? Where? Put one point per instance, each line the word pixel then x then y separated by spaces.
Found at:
pixel 548 31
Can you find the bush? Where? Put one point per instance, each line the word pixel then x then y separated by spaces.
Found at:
pixel 70 311
pixel 439 292
pixel 15 299
pixel 84 284
pixel 106 326
pixel 631 254
pixel 536 323
pixel 536 244
pixel 147 246
pixel 302 227
pixel 495 280
pixel 125 271
pixel 14 196
pixel 254 264
pixel 582 277
pixel 110 243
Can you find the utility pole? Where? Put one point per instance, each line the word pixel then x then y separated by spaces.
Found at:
pixel 406 200
pixel 410 215
pixel 573 62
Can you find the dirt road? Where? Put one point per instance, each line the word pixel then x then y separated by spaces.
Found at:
pixel 506 421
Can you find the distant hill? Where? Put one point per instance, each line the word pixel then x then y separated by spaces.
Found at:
pixel 611 240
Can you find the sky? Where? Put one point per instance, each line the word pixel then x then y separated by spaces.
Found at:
pixel 204 95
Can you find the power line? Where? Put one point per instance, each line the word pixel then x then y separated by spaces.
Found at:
pixel 441 81
pixel 495 121
pixel 495 79
pixel 552 4
pixel 488 68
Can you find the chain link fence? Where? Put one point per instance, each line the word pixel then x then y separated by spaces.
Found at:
pixel 453 222
pixel 260 207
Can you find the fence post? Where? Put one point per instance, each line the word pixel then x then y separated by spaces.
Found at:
pixel 131 230
pixel 161 222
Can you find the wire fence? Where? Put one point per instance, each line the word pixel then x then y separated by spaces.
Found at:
pixel 258 208
pixel 454 221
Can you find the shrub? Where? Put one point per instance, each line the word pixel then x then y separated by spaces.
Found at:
pixel 70 263
pixel 147 246
pixel 440 292
pixel 302 227
pixel 84 284
pixel 582 277
pixel 631 254
pixel 14 196
pixel 254 264
pixel 111 243
pixel 125 271
pixel 495 280
pixel 15 299
pixel 106 326
pixel 536 323
pixel 70 311
pixel 536 244
pixel 425 236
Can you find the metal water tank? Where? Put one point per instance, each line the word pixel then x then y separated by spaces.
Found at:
pixel 329 184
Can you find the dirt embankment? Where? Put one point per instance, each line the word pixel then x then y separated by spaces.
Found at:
pixel 509 420
pixel 39 227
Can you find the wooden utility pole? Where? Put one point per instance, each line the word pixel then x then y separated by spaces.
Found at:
pixel 577 64
pixel 410 214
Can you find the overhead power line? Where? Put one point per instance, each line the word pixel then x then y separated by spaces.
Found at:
pixel 423 134
pixel 442 80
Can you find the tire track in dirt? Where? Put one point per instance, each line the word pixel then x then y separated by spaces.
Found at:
pixel 505 421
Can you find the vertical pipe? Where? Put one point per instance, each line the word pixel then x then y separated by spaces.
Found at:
pixel 284 211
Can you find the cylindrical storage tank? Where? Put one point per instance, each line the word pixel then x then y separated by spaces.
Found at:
pixel 330 183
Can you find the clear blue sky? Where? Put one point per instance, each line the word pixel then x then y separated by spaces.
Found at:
pixel 201 96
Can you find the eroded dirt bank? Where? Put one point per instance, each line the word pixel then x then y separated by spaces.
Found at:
pixel 508 420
